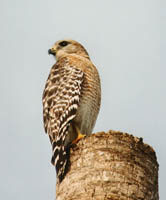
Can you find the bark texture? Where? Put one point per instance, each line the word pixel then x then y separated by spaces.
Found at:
pixel 110 166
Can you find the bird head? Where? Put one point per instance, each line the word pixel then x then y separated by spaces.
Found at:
pixel 63 47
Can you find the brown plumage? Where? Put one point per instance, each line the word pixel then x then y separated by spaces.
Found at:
pixel 71 100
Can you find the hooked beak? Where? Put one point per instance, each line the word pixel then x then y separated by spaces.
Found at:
pixel 52 51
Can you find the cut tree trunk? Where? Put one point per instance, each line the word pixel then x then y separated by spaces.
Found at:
pixel 110 166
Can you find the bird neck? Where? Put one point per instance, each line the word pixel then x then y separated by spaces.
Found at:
pixel 60 54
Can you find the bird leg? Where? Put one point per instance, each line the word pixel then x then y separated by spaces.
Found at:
pixel 79 135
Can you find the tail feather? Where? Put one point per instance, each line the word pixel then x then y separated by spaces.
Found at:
pixel 61 159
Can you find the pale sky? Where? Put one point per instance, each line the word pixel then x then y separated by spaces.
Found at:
pixel 125 40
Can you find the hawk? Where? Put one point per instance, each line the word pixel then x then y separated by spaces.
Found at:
pixel 71 100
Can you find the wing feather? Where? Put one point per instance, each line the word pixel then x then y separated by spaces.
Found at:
pixel 60 103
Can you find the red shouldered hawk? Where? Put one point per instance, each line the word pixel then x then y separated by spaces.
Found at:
pixel 71 100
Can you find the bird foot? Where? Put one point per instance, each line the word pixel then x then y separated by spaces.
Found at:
pixel 79 137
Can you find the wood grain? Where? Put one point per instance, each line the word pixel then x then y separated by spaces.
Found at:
pixel 111 166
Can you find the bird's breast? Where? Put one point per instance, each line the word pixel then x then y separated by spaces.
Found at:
pixel 89 104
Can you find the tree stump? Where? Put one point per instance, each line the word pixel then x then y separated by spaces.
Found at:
pixel 110 166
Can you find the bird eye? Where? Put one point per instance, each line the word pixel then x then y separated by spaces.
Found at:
pixel 63 43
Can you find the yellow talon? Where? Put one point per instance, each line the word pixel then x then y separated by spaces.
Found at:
pixel 79 135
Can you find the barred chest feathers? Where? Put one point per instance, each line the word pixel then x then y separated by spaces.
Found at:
pixel 90 100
